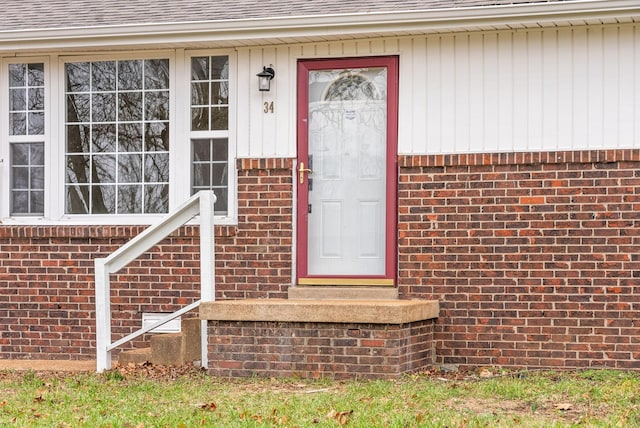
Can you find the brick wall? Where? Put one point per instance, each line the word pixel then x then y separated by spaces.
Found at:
pixel 313 350
pixel 47 306
pixel 535 258
pixel 47 286
pixel 255 261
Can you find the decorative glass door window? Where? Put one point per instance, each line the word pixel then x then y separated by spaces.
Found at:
pixel 117 137
pixel 26 138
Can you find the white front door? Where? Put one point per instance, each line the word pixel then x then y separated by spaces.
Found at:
pixel 343 173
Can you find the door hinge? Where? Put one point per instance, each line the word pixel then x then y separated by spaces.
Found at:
pixel 309 209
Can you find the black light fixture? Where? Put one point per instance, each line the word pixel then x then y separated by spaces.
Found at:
pixel 264 78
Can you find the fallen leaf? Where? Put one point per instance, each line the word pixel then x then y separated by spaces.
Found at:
pixel 564 407
pixel 486 373
pixel 209 406
pixel 341 417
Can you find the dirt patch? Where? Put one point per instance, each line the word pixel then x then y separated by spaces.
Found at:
pixel 548 410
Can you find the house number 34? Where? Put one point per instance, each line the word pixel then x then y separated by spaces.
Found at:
pixel 268 107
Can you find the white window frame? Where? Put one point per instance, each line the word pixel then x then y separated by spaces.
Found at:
pixel 55 139
pixel 231 217
pixel 6 140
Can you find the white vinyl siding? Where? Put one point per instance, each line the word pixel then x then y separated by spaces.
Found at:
pixel 526 90
pixel 573 88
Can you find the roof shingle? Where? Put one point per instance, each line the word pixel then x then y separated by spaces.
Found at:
pixel 53 14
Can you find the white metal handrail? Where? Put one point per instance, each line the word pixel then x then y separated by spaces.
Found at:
pixel 201 203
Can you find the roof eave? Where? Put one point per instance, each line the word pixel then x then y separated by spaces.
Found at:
pixel 255 31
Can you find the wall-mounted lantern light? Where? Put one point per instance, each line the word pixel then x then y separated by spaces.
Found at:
pixel 264 78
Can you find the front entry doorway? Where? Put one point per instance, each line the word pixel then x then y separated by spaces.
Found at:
pixel 346 171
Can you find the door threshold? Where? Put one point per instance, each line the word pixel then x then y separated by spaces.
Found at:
pixel 302 292
pixel 370 282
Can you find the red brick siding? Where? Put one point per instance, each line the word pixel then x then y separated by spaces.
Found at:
pixel 313 350
pixel 47 286
pixel 47 308
pixel 535 257
pixel 256 261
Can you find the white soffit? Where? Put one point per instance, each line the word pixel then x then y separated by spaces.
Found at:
pixel 304 29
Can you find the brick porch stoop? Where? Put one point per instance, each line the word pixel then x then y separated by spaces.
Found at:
pixel 312 339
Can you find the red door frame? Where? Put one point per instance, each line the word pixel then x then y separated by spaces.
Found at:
pixel 304 66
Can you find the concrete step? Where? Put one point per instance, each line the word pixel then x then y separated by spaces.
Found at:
pixel 169 349
pixel 134 356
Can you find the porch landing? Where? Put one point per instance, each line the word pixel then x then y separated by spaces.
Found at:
pixel 324 338
pixel 331 311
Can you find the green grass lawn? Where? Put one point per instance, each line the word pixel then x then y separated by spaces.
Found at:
pixel 166 398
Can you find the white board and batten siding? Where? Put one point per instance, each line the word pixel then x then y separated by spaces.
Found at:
pixel 573 88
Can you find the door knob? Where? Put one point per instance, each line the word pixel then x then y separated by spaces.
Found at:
pixel 301 171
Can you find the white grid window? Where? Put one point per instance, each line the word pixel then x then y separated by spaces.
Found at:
pixel 117 137
pixel 26 93
pixel 210 128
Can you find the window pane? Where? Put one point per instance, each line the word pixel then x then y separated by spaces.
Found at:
pixel 130 199
pixel 103 107
pixel 104 138
pixel 129 75
pixel 78 108
pixel 35 75
pixel 36 98
pixel 156 168
pixel 104 169
pixel 36 154
pixel 220 149
pixel 17 99
pixel 103 199
pixel 220 67
pixel 199 94
pixel 20 154
pixel 20 177
pixel 200 68
pixel 201 175
pixel 77 75
pixel 20 202
pixel 156 105
pixel 77 200
pixel 130 137
pixel 156 74
pixel 220 118
pixel 201 150
pixel 200 119
pixel 17 74
pixel 219 176
pixel 36 123
pixel 156 137
pixel 104 76
pixel 222 201
pixel 220 93
pixel 129 168
pixel 78 169
pixel 156 198
pixel 78 137
pixel 130 106
pixel 37 202
pixel 17 123
pixel 37 178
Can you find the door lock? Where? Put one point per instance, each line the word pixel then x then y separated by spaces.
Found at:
pixel 301 171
